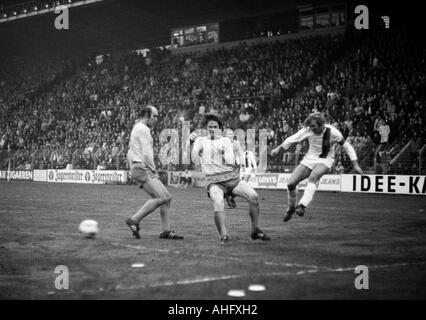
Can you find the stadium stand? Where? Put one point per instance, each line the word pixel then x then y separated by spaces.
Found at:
pixel 79 113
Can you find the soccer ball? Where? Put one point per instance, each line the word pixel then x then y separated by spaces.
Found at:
pixel 89 228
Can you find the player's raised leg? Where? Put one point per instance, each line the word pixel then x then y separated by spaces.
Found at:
pixel 217 196
pixel 244 190
pixel 318 171
pixel 299 174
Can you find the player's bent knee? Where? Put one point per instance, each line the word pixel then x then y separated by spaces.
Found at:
pixel 253 198
pixel 291 186
pixel 218 206
pixel 313 178
pixel 165 199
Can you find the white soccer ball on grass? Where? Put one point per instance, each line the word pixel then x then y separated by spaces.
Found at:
pixel 89 228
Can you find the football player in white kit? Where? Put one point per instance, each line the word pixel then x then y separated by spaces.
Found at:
pixel 215 154
pixel 144 173
pixel 318 160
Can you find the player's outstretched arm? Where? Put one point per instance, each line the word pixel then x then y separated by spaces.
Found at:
pixel 297 137
pixel 275 151
pixel 350 151
pixel 357 168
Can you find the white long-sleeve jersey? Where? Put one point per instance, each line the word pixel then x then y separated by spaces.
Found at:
pixel 320 145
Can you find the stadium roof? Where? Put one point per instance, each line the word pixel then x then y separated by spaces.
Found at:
pixel 110 24
pixel 116 24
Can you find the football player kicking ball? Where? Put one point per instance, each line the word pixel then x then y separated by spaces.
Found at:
pixel 318 160
pixel 143 172
pixel 215 154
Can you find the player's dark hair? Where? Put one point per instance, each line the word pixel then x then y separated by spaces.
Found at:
pixel 317 117
pixel 212 117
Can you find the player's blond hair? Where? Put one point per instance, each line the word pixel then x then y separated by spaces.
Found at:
pixel 317 117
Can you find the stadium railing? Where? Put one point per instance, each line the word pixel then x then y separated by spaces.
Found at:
pixel 381 160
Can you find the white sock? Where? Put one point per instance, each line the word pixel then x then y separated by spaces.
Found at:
pixel 308 195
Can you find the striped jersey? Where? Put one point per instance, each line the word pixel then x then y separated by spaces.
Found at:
pixel 320 145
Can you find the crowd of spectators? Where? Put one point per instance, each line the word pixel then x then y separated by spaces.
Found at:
pixel 60 113
pixel 374 94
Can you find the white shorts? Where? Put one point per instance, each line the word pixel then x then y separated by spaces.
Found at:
pixel 312 162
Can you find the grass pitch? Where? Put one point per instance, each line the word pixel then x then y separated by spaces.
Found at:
pixel 308 258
